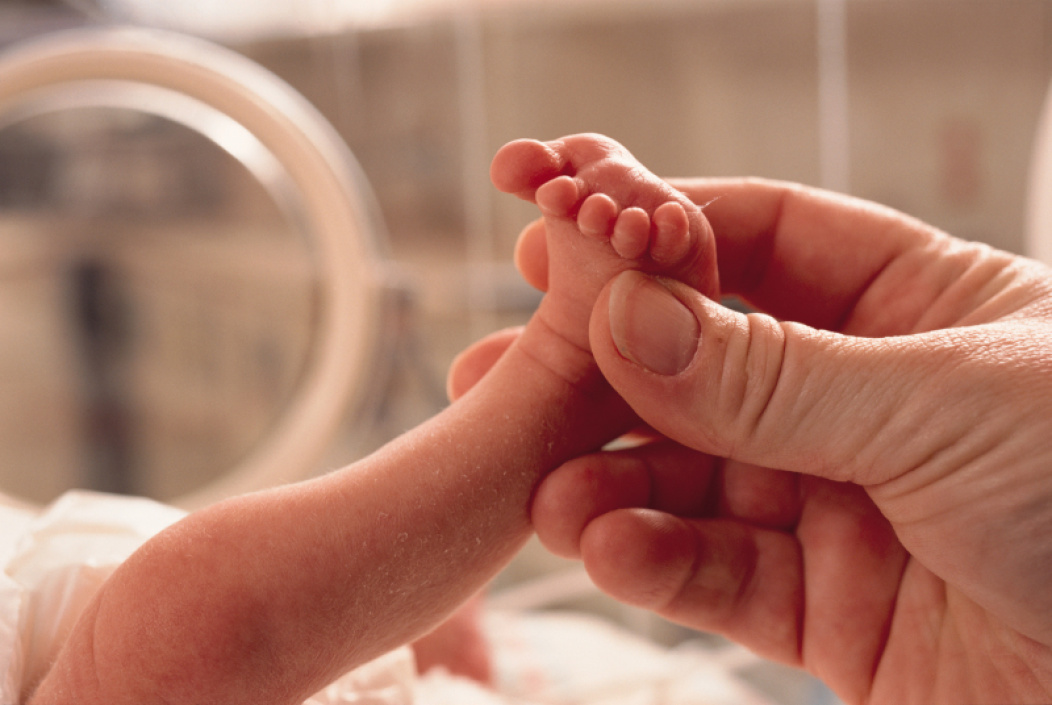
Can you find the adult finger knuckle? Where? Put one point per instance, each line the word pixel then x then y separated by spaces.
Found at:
pixel 751 379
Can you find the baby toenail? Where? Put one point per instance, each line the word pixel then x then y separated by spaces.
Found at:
pixel 650 326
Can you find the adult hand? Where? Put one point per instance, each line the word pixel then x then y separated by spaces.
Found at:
pixel 861 481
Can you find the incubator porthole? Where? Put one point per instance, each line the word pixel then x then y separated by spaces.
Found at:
pixel 189 275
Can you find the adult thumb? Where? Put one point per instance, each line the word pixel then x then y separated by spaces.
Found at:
pixel 781 395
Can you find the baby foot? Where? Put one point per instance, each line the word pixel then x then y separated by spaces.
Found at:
pixel 604 212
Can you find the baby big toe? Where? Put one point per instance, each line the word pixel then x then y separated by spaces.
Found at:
pixel 520 167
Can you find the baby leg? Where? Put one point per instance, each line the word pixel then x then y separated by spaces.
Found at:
pixel 604 213
pixel 265 598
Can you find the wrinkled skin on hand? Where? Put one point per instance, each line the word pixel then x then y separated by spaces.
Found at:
pixel 856 481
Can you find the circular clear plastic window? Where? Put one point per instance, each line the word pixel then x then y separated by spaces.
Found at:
pixel 189 278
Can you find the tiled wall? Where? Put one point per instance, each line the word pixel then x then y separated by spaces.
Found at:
pixel 942 99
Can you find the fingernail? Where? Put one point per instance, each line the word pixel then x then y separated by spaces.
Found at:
pixel 650 326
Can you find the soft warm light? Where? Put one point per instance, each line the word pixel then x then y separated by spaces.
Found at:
pixel 254 18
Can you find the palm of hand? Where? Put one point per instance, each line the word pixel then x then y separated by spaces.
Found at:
pixel 968 500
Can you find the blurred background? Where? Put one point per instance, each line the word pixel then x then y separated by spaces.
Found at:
pixel 158 306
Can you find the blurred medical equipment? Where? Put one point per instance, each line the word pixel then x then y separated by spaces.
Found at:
pixel 191 271
pixel 1038 233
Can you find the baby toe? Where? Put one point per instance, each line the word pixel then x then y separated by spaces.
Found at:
pixel 559 197
pixel 631 235
pixel 597 215
pixel 522 166
pixel 672 238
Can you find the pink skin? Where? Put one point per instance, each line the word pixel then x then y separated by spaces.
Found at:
pixel 459 645
pixel 597 201
pixel 890 538
pixel 265 598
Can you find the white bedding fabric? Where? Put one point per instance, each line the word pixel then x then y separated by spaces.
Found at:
pixel 55 560
pixel 53 563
